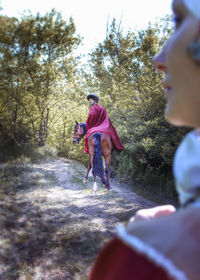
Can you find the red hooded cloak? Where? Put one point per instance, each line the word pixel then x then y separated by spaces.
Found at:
pixel 98 121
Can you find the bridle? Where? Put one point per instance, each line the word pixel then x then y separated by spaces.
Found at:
pixel 76 139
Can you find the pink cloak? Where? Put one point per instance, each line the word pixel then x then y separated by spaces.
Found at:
pixel 98 121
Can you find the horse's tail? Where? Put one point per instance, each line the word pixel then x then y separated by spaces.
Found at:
pixel 97 161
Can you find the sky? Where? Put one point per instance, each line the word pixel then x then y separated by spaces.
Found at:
pixel 91 17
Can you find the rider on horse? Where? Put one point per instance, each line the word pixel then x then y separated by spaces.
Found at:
pixel 98 121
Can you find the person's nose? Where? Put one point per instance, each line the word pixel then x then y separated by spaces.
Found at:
pixel 159 61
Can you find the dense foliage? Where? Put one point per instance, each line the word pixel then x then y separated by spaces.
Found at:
pixel 132 92
pixel 43 89
pixel 37 77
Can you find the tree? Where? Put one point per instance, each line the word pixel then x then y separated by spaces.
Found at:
pixel 36 63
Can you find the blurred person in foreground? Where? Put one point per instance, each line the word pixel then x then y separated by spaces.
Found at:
pixel 161 243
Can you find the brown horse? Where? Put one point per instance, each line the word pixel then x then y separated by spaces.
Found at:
pixel 98 144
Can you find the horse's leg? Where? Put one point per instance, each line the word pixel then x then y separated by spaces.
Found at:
pixel 106 145
pixel 107 171
pixel 98 161
pixel 94 177
pixel 94 183
pixel 87 173
pixel 91 153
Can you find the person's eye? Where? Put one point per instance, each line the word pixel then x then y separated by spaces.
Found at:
pixel 177 21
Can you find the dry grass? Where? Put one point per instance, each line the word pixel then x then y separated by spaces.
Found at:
pixel 41 238
pixel 51 225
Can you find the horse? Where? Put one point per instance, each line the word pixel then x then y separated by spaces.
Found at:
pixel 98 144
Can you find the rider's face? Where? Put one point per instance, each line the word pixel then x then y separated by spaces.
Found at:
pixel 92 101
pixel 182 75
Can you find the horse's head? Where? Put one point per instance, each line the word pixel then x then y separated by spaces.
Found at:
pixel 79 132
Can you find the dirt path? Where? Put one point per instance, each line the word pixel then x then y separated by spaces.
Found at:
pixel 105 209
pixel 52 225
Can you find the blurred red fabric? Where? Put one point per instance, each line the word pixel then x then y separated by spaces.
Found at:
pixel 118 261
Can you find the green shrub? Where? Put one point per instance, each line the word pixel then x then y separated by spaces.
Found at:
pixel 27 153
